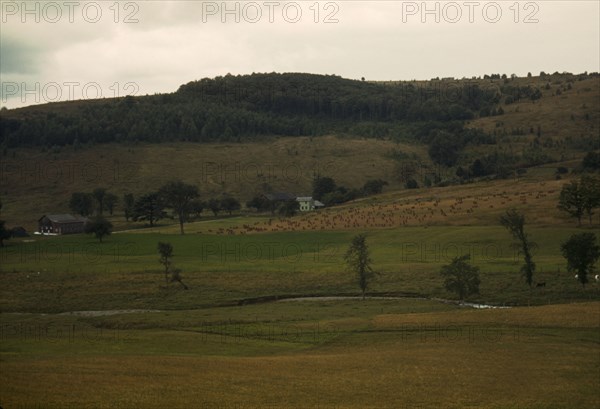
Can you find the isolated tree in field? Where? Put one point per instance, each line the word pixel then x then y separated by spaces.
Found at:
pixel 178 196
pixel 148 207
pixel 460 277
pixel 81 203
pixel 110 200
pixel 358 259
pixel 165 250
pixel 99 226
pixel 515 224
pixel 572 200
pixel 176 277
pixel 128 202
pixel 99 194
pixel 581 252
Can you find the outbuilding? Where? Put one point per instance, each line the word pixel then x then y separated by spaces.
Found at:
pixel 61 224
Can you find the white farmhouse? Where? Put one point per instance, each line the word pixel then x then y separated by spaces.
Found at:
pixel 307 203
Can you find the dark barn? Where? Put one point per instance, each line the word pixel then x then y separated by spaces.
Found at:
pixel 61 224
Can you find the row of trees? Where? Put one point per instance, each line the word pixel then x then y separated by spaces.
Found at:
pixel 324 189
pixel 286 208
pixel 327 191
pixel 181 198
pixel 95 202
pixel 581 252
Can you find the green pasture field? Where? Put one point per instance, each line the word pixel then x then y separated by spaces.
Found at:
pixel 65 273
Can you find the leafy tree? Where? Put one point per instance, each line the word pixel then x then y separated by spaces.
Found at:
pixel 461 277
pixel 572 200
pixel 5 233
pixel 99 226
pixel 289 208
pixel 196 208
pixel 358 259
pixel 411 184
pixel 230 204
pixel 128 202
pixel 322 186
pixel 81 203
pixel 581 252
pixel 591 161
pixel 477 168
pixel 333 198
pixel 176 277
pixel 260 203
pixel 99 194
pixel 215 206
pixel 514 222
pixel 374 187
pixel 461 172
pixel 406 170
pixel 590 188
pixel 165 250
pixel 444 148
pixel 110 200
pixel 148 207
pixel 178 196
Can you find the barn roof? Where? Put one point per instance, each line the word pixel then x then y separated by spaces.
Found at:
pixel 64 218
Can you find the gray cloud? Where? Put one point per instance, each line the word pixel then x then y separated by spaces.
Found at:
pixel 168 43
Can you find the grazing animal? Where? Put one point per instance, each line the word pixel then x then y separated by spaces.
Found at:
pixel 540 284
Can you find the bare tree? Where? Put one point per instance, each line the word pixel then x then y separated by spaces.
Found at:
pixel 515 224
pixel 166 254
pixel 358 259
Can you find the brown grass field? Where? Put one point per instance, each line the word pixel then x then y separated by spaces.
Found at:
pixel 537 357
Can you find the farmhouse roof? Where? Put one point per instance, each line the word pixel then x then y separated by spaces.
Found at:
pixel 304 198
pixel 64 218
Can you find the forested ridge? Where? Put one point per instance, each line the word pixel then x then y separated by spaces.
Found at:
pixel 236 108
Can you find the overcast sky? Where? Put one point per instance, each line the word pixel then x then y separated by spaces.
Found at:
pixel 79 49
